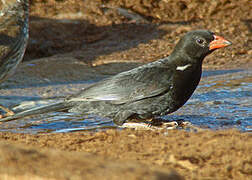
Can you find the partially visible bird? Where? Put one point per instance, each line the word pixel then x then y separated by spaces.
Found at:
pixel 13 37
pixel 148 91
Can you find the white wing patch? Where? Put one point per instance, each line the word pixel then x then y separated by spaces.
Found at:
pixel 97 98
pixel 182 68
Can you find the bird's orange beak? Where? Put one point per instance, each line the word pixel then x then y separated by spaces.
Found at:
pixel 218 42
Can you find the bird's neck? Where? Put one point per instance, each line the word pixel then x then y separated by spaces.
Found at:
pixel 182 59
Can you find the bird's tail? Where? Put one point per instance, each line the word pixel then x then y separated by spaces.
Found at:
pixel 60 106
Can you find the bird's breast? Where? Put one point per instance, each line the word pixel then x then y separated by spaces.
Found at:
pixel 183 84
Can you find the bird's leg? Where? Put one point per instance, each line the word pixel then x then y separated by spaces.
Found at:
pixel 7 111
pixel 159 122
pixel 155 121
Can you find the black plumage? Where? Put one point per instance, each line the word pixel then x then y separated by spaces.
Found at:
pixel 151 90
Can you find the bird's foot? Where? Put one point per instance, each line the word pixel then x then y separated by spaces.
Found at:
pixel 187 125
pixel 145 126
pixel 152 124
pixel 7 112
pixel 160 124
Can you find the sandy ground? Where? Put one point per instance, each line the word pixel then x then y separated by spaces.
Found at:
pixel 128 154
pixel 95 32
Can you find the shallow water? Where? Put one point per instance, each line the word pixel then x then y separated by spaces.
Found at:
pixel 222 100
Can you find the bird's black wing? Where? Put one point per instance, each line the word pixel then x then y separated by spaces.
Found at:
pixel 139 83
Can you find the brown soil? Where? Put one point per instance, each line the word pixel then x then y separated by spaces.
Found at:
pixel 128 154
pixel 97 32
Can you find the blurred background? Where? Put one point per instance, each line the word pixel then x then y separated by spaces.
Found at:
pixel 103 31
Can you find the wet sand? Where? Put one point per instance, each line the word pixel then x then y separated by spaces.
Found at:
pixel 93 36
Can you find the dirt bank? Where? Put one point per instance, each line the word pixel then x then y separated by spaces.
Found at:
pixel 97 32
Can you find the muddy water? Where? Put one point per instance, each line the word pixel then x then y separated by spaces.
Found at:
pixel 222 100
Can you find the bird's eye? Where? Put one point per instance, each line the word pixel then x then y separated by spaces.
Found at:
pixel 200 41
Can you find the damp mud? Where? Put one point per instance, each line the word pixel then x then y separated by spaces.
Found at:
pixel 74 44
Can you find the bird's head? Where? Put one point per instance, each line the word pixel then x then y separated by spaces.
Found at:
pixel 199 43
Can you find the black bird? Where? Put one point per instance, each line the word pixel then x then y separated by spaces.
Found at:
pixel 151 90
pixel 13 37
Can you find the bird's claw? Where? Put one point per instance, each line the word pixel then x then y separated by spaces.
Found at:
pixel 190 126
pixel 149 125
pixel 170 125
pixel 7 111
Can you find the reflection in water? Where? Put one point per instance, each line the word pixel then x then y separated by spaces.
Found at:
pixel 220 101
pixel 57 122
pixel 220 104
